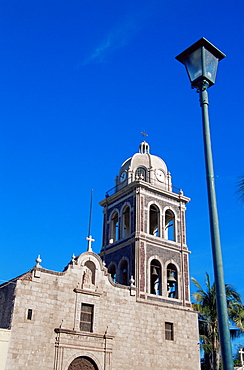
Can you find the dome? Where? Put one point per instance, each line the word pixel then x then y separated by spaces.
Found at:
pixel 146 167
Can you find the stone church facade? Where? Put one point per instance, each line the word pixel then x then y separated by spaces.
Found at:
pixel 127 308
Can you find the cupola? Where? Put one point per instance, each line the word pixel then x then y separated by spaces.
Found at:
pixel 144 166
pixel 144 147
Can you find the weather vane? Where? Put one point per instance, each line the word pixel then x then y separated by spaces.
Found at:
pixel 144 134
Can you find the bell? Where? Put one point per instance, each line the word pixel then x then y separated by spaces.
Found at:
pixel 154 271
pixel 171 279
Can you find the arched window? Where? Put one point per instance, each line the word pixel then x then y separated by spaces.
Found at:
pixel 126 221
pixel 154 220
pixel 91 266
pixel 83 363
pixel 169 225
pixel 155 277
pixel 114 227
pixel 141 174
pixel 123 272
pixel 112 271
pixel 172 281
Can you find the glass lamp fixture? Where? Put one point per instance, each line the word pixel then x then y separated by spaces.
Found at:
pixel 201 62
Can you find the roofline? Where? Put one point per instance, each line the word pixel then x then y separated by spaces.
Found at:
pixel 142 184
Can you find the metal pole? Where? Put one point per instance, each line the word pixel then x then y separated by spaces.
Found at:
pixel 223 322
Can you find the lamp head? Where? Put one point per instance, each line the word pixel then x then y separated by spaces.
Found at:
pixel 201 62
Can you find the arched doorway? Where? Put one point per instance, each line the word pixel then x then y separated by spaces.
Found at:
pixel 82 363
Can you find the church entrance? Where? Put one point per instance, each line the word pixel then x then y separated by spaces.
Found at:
pixel 83 363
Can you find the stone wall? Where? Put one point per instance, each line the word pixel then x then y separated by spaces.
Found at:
pixel 6 304
pixel 128 332
pixel 4 341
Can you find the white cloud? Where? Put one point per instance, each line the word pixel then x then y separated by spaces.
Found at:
pixel 119 36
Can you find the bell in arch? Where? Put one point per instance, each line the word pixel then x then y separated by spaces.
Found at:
pixel 171 279
pixel 154 271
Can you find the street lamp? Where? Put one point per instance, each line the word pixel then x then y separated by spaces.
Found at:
pixel 201 62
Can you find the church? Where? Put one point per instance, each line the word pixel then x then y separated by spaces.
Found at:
pixel 128 307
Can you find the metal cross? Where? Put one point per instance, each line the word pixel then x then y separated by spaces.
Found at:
pixel 144 134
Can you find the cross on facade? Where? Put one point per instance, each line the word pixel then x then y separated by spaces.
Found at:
pixel 90 240
pixel 241 354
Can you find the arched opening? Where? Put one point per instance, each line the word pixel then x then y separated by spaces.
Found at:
pixel 154 220
pixel 114 227
pixel 123 273
pixel 112 271
pixel 141 173
pixel 83 363
pixel 172 281
pixel 155 277
pixel 169 225
pixel 91 266
pixel 126 222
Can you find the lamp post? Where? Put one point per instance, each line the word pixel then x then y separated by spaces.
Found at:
pixel 201 61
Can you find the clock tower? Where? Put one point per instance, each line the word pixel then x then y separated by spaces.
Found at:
pixel 144 233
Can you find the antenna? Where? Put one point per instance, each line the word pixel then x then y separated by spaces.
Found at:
pixel 90 217
pixel 89 237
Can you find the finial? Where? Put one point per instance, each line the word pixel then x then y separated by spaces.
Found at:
pixel 38 261
pixel 73 259
pixel 132 281
pixel 90 240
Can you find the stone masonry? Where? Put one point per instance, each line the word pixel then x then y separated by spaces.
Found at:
pixel 128 332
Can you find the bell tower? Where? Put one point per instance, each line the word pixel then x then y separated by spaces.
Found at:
pixel 144 234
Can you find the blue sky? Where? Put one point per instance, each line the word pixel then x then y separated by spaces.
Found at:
pixel 79 81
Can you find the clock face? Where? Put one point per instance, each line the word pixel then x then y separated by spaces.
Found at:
pixel 160 175
pixel 122 176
